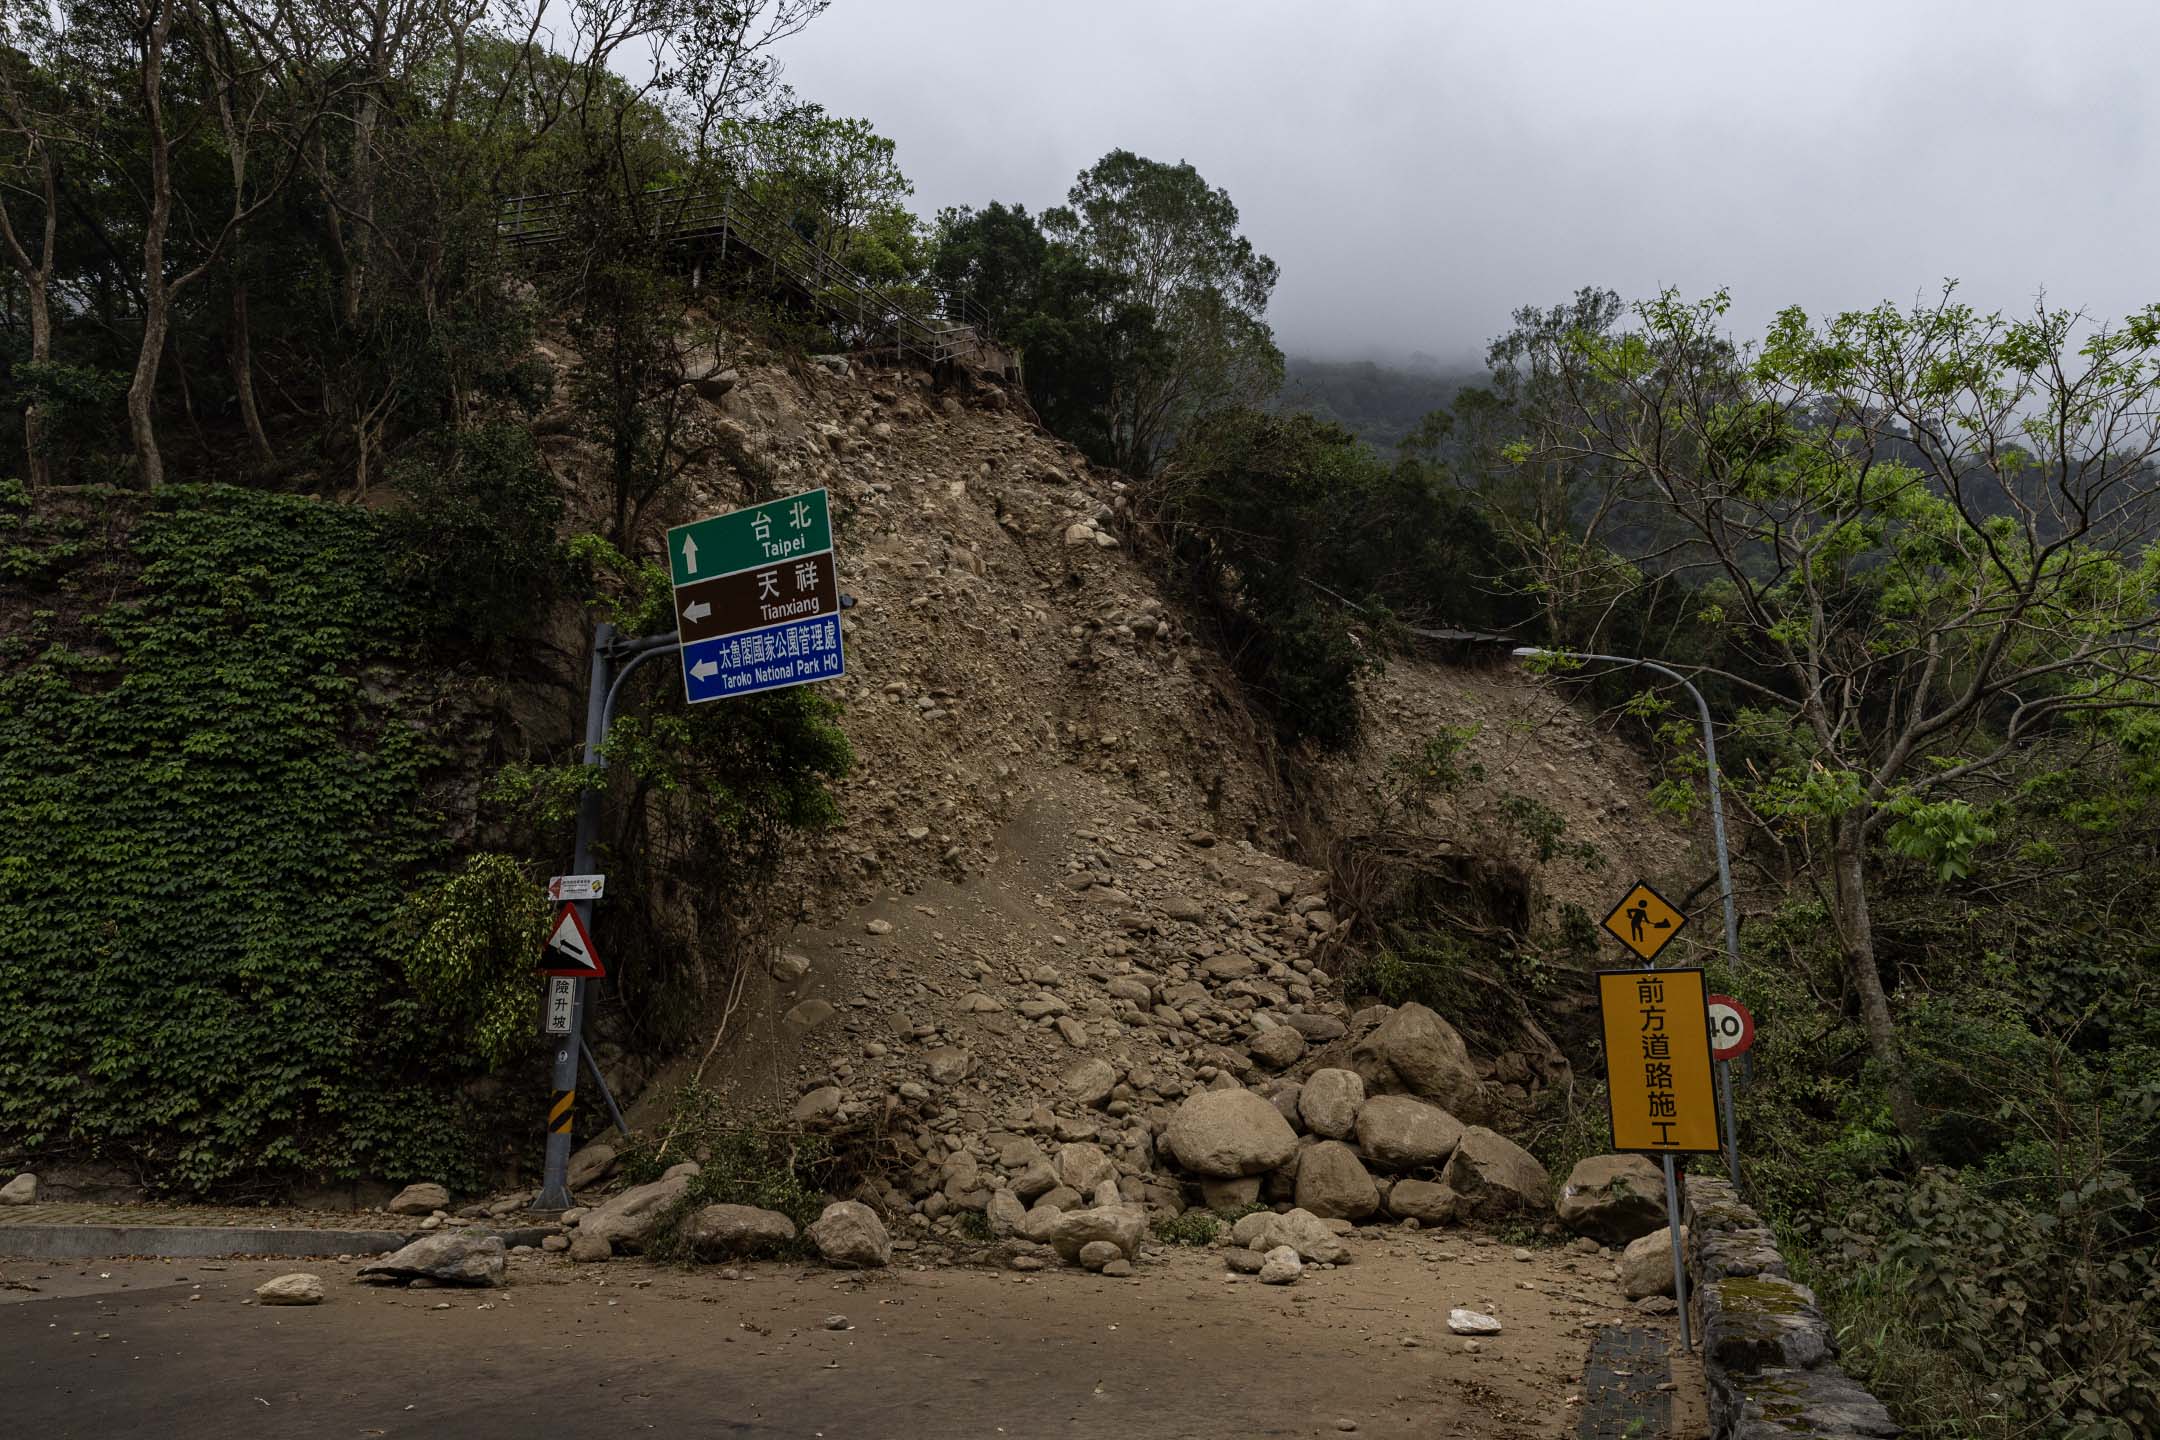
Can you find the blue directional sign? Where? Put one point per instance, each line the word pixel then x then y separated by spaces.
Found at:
pixel 796 653
pixel 757 599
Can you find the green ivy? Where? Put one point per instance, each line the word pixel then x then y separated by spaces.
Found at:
pixel 209 807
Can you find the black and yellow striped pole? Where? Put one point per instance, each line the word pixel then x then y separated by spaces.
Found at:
pixel 562 1100
pixel 562 1104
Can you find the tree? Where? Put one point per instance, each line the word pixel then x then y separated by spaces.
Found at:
pixel 33 116
pixel 1926 531
pixel 1275 521
pixel 826 173
pixel 1170 242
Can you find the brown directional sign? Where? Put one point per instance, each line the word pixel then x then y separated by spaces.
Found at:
pixel 753 599
pixel 1645 922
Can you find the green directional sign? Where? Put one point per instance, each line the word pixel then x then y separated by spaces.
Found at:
pixel 794 527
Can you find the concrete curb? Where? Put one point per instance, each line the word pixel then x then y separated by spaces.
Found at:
pixel 1767 1353
pixel 207 1242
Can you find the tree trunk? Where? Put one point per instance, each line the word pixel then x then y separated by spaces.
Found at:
pixel 243 375
pixel 157 296
pixel 142 390
pixel 363 189
pixel 38 467
pixel 1856 938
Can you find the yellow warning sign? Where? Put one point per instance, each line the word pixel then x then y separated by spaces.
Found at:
pixel 1645 921
pixel 1657 1061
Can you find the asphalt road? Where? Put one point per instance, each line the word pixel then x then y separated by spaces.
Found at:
pixel 169 1349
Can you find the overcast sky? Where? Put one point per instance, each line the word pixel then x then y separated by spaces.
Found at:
pixel 1419 168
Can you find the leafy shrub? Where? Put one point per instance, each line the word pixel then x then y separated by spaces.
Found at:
pixel 473 935
pixel 78 409
pixel 1196 1226
pixel 1275 521
pixel 780 1170
pixel 1978 1316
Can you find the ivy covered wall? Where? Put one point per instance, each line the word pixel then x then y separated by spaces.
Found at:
pixel 209 815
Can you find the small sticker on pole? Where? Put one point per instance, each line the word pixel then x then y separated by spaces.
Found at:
pixel 576 887
pixel 569 949
pixel 1657 1061
pixel 1732 1028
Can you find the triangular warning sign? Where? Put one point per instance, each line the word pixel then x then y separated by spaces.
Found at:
pixel 569 949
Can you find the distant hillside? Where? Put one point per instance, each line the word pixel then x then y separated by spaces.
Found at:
pixel 1380 404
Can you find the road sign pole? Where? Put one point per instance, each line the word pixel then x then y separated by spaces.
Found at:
pixel 603 685
pixel 1732 1135
pixel 555 1174
pixel 1679 1262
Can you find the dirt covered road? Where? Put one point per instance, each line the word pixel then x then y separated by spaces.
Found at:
pixel 175 1349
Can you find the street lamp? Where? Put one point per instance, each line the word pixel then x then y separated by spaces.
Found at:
pixel 1717 804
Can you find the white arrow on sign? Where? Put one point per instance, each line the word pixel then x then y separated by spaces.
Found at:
pixel 705 669
pixel 695 611
pixel 689 554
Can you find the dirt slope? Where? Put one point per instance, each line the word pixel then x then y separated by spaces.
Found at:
pixel 1525 743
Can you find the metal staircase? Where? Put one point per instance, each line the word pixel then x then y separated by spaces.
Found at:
pixel 724 215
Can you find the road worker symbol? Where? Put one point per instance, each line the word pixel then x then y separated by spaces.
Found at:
pixel 1645 921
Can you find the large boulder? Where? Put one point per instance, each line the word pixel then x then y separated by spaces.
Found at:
pixel 1332 1183
pixel 1424 1202
pixel 1416 1052
pixel 1037 1177
pixel 1121 1225
pixel 849 1234
pixel 447 1257
pixel 1229 1196
pixel 1613 1198
pixel 1224 1134
pixel 725 1231
pixel 1330 1102
pixel 1089 1081
pixel 1004 1213
pixel 1285 1096
pixel 22 1190
pixel 424 1198
pixel 1495 1177
pixel 1646 1265
pixel 1083 1166
pixel 590 1165
pixel 1277 1048
pixel 1301 1230
pixel 1040 1221
pixel 1402 1132
pixel 626 1219
pixel 1281 1266
pixel 819 1106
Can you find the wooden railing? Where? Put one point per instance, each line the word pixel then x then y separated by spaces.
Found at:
pixel 724 214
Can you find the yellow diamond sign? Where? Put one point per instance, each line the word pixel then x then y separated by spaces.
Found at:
pixel 1645 921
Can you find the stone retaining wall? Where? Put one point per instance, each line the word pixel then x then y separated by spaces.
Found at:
pixel 1769 1356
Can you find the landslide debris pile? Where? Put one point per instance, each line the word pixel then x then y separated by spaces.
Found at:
pixel 1054 962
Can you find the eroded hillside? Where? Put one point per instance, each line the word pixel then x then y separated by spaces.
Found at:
pixel 1066 891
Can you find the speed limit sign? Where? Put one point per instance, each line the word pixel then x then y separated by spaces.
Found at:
pixel 1732 1029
